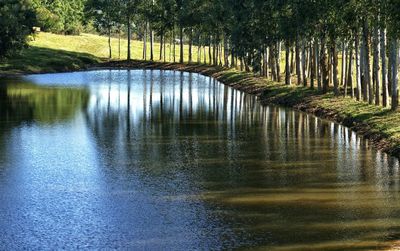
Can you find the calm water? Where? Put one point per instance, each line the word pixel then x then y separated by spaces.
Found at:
pixel 176 161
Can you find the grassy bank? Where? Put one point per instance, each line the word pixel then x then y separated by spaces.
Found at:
pixel 55 53
pixel 380 125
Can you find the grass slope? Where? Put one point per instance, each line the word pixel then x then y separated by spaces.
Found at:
pixel 52 53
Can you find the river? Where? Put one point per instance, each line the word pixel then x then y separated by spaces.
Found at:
pixel 163 160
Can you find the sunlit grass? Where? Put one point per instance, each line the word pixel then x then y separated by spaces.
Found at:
pixel 51 53
pixel 98 46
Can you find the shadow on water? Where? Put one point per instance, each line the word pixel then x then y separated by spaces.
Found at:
pixel 180 161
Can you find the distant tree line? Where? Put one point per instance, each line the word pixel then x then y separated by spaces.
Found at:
pixel 18 17
pixel 60 16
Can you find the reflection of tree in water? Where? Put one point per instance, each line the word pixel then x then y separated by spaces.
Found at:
pixel 27 103
pixel 222 143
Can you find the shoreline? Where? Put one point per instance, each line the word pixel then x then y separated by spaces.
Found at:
pixel 303 99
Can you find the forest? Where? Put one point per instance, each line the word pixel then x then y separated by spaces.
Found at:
pixel 349 47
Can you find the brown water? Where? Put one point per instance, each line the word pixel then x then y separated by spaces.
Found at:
pixel 176 161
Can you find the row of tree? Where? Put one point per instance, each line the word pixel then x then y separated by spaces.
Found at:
pixel 350 46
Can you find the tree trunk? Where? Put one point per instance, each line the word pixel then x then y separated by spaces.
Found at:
pixel 335 68
pixel 349 80
pixel 312 65
pixel 226 52
pixel 385 93
pixel 362 70
pixel 367 69
pixel 216 48
pixel 174 45
pixel 316 65
pixel 358 65
pixel 205 54
pixel 161 44
pixel 292 60
pixel 246 65
pixel 303 63
pixel 298 66
pixel 209 52
pixel 310 60
pixel 330 65
pixel 181 44
pixel 272 63
pixel 232 58
pixel 128 57
pixel 344 61
pixel 214 53
pixel 151 44
pixel 220 54
pixel 324 67
pixel 376 65
pixel 266 68
pixel 109 43
pixel 287 64
pixel 165 49
pixel 278 62
pixel 394 54
pixel 198 50
pixel 145 42
pixel 190 45
pixel 390 63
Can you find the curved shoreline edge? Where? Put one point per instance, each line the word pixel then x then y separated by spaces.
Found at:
pixel 379 125
pixel 303 99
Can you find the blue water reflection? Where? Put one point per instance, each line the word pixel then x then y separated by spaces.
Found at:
pixel 143 159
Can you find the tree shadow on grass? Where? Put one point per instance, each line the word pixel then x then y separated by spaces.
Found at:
pixel 37 60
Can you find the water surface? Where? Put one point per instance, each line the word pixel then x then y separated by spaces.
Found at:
pixel 143 159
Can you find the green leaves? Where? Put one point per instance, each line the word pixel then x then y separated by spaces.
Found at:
pixel 60 16
pixel 16 21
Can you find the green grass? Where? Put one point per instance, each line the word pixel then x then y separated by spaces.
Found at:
pixel 36 59
pixel 52 53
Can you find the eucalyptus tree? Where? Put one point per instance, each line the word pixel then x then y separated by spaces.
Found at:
pixel 393 20
pixel 129 8
pixel 287 31
pixel 106 17
pixel 243 35
pixel 163 21
pixel 216 19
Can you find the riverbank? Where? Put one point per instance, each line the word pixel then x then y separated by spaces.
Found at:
pixel 380 125
pixel 55 53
